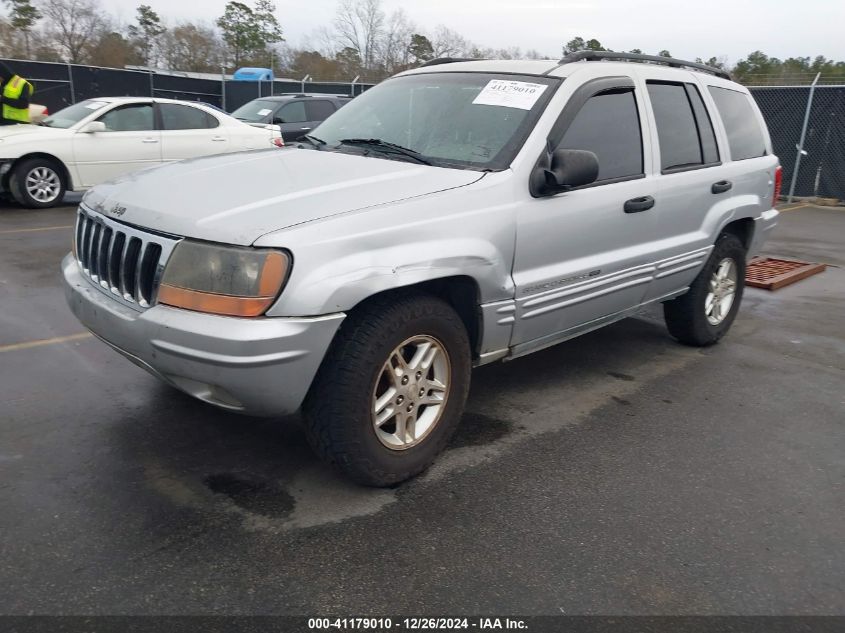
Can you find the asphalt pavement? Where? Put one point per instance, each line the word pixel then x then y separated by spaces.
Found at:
pixel 618 473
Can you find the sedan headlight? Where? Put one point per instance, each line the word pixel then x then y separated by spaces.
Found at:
pixel 224 280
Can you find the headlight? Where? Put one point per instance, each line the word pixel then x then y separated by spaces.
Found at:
pixel 225 280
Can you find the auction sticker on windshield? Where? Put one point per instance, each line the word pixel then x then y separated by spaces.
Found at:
pixel 510 94
pixel 264 112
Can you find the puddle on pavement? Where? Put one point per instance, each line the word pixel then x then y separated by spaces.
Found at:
pixel 477 429
pixel 252 493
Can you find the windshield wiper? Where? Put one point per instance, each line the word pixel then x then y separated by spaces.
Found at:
pixel 387 146
pixel 316 142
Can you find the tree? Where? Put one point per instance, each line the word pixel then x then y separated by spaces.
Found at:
pixel 449 43
pixel 249 32
pixel 192 48
pixel 74 25
pixel 146 32
pixel 23 16
pixel 579 44
pixel 112 49
pixel 421 48
pixel 358 24
pixel 348 62
pixel 664 53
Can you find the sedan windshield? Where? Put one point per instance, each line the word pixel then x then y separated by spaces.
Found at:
pixel 73 114
pixel 255 111
pixel 449 119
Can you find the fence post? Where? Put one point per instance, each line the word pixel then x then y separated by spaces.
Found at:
pixel 70 81
pixel 304 79
pixel 800 146
pixel 152 85
pixel 352 85
pixel 223 87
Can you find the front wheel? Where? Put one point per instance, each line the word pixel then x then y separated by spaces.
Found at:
pixel 37 183
pixel 391 390
pixel 705 313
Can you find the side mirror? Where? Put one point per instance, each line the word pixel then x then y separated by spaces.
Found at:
pixel 94 127
pixel 563 170
pixel 278 121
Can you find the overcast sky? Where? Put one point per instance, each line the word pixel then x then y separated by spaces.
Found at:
pixel 780 28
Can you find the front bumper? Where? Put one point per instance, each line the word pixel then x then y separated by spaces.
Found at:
pixel 763 227
pixel 259 366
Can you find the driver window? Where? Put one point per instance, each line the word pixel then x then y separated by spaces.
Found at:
pixel 136 117
pixel 292 113
pixel 609 126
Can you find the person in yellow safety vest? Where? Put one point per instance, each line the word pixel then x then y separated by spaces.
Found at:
pixel 14 98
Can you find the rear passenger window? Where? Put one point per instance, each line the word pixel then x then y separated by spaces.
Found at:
pixel 683 127
pixel 319 110
pixel 744 134
pixel 609 126
pixel 179 117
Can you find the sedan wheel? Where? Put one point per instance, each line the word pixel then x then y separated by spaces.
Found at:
pixel 43 184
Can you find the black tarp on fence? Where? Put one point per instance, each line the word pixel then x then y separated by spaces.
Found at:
pixel 59 85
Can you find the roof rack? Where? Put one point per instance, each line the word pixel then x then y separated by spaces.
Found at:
pixel 592 56
pixel 448 60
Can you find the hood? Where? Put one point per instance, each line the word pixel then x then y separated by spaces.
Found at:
pixel 23 129
pixel 237 198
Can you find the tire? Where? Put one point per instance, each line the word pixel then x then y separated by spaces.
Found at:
pixel 339 415
pixel 687 317
pixel 45 170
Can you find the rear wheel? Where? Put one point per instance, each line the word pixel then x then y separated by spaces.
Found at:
pixel 37 183
pixel 706 312
pixel 391 390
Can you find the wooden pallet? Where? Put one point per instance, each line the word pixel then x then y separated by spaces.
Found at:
pixel 771 274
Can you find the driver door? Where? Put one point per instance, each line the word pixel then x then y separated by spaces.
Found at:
pixel 130 142
pixel 583 255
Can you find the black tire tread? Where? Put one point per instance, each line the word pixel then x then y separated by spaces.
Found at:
pixel 684 316
pixel 343 372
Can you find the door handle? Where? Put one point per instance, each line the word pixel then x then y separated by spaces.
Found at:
pixel 218 139
pixel 636 205
pixel 722 186
pixel 150 140
pixel 305 128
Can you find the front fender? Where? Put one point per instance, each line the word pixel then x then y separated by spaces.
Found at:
pixel 341 261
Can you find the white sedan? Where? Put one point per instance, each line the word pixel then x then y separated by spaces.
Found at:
pixel 100 139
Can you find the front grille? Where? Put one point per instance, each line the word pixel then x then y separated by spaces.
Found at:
pixel 121 260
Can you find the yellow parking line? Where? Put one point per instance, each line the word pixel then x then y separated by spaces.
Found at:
pixel 46 341
pixel 43 228
pixel 800 206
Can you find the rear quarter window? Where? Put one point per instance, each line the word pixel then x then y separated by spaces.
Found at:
pixel 745 137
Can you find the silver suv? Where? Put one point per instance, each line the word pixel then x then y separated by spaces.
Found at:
pixel 455 215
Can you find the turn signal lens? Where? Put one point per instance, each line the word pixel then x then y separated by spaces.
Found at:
pixel 231 281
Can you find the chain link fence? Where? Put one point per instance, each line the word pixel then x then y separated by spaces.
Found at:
pixel 807 126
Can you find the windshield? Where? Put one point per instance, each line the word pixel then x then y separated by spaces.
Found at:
pixel 73 114
pixel 255 111
pixel 450 119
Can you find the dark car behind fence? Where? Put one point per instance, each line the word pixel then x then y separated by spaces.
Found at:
pixel 821 172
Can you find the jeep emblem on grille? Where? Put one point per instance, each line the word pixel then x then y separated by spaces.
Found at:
pixel 117 210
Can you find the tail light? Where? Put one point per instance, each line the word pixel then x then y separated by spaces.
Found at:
pixel 778 184
pixel 278 141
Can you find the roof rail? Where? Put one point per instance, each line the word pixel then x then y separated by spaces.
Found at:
pixel 592 56
pixel 448 60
